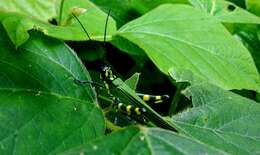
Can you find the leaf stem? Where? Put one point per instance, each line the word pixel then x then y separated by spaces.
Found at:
pixel 60 11
pixel 112 126
pixel 176 98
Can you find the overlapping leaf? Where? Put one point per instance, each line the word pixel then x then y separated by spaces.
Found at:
pixel 219 118
pixel 253 6
pixel 42 110
pixel 125 10
pixel 18 23
pixel 220 122
pixel 226 11
pixel 144 141
pixel 42 10
pixel 187 38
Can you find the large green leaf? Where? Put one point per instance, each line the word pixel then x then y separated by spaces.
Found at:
pixel 226 11
pixel 219 118
pixel 127 46
pixel 123 11
pixel 17 24
pixel 45 123
pixel 187 38
pixel 144 141
pixel 42 110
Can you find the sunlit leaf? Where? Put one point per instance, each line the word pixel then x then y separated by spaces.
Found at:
pixel 187 38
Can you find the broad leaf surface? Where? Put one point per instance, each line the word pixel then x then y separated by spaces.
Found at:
pixel 125 10
pixel 42 110
pixel 17 24
pixel 127 46
pixel 44 123
pixel 219 118
pixel 144 141
pixel 187 38
pixel 226 11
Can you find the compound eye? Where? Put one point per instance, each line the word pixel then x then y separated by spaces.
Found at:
pixel 103 68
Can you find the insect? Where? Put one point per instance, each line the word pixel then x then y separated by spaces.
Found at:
pixel 107 75
pixel 137 106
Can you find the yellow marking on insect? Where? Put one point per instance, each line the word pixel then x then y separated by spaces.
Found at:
pixel 146 98
pixel 128 109
pixel 107 87
pixel 137 111
pixel 106 73
pixel 110 72
pixel 159 101
pixel 111 77
pixel 158 97
pixel 120 105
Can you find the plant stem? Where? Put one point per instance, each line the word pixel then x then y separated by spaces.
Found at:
pixel 60 11
pixel 176 98
pixel 112 126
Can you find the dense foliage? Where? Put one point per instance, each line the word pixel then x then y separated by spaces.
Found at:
pixel 205 54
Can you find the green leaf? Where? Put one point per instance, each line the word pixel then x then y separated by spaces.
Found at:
pixel 93 19
pixel 187 38
pixel 144 141
pixel 124 10
pixel 127 46
pixel 133 81
pixel 253 6
pixel 219 118
pixel 38 9
pixel 44 123
pixel 226 11
pixel 42 110
pixel 248 35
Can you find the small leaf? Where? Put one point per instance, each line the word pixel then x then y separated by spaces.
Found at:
pixel 198 43
pixel 144 141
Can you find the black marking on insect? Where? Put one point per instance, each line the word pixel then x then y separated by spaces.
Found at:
pixel 153 98
pixel 129 109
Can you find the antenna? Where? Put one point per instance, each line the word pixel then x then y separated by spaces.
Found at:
pixel 88 82
pixel 105 33
pixel 81 25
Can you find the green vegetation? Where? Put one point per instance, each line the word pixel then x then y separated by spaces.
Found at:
pixel 204 54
